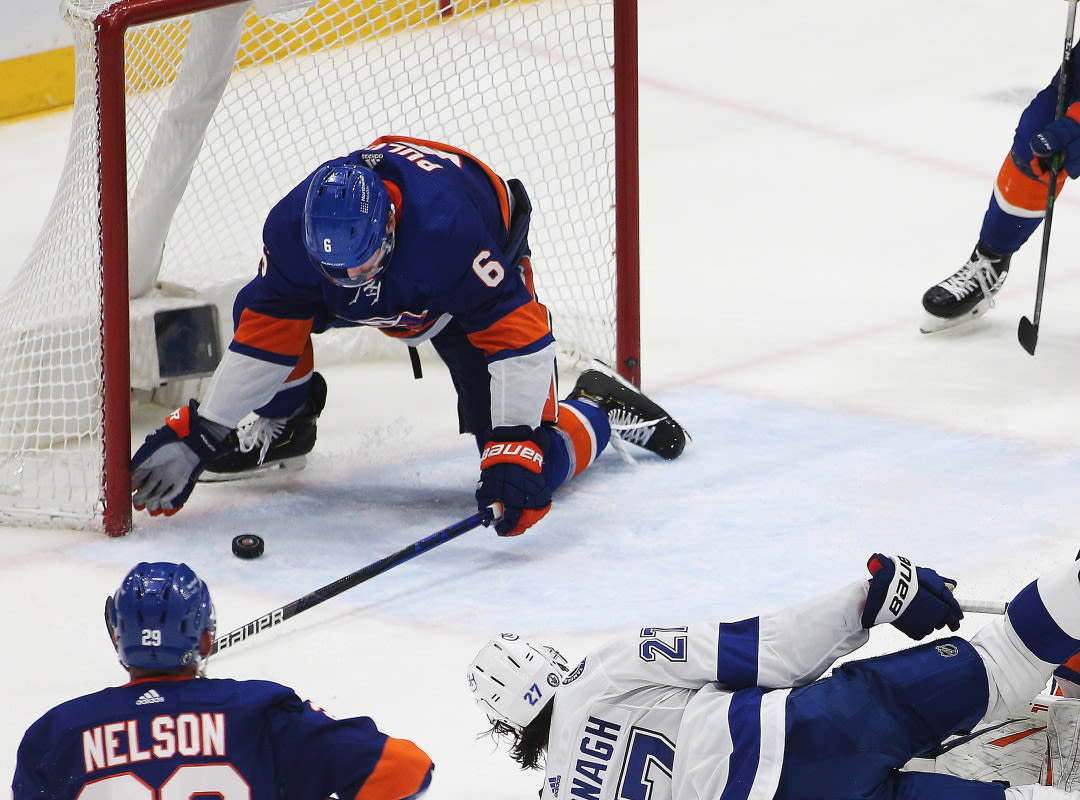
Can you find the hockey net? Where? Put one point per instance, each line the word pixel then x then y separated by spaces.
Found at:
pixel 192 117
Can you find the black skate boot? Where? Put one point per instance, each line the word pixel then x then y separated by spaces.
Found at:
pixel 634 418
pixel 271 444
pixel 967 293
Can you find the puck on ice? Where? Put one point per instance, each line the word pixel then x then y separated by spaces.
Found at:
pixel 247 545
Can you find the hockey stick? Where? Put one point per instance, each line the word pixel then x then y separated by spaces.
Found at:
pixel 1027 331
pixel 488 516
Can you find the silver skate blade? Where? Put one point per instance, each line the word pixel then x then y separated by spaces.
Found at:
pixel 294 464
pixel 934 324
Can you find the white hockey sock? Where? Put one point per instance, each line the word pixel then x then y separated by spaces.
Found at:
pixel 1040 631
pixel 1046 615
pixel 1014 675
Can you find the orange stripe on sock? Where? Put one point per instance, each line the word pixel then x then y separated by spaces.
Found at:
pixel 1022 191
pixel 573 423
pixel 1073 663
pixel 400 772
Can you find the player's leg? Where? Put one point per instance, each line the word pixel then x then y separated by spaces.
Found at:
pixel 1016 209
pixel 872 716
pixel 1040 631
pixel 847 733
pixel 580 435
pixel 633 416
pixel 284 429
pixel 933 786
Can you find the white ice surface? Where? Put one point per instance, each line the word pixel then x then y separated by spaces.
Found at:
pixel 808 170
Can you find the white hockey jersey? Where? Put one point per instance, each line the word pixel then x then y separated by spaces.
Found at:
pixel 648 715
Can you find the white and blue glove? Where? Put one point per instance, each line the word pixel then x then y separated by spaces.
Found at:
pixel 916 600
pixel 165 468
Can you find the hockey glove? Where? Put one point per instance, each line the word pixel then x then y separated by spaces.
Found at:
pixel 512 473
pixel 1060 136
pixel 165 468
pixel 914 599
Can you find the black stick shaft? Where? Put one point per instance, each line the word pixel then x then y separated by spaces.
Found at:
pixel 1027 331
pixel 289 610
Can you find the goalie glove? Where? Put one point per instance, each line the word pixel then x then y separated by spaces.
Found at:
pixel 914 599
pixel 512 473
pixel 165 468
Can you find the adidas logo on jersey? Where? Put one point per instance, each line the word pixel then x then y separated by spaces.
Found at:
pixel 148 697
pixel 554 784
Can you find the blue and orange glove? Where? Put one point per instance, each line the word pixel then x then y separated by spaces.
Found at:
pixel 165 468
pixel 915 600
pixel 512 473
pixel 1060 136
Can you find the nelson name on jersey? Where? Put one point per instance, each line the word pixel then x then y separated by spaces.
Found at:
pixel 115 744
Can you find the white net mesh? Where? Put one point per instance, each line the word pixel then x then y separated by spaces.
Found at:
pixel 227 110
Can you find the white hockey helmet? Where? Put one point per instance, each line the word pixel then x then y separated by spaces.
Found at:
pixel 512 678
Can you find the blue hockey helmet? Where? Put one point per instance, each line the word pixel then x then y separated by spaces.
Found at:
pixel 347 224
pixel 158 616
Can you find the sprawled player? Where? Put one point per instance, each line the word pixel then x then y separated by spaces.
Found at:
pixel 726 710
pixel 1017 206
pixel 170 732
pixel 426 243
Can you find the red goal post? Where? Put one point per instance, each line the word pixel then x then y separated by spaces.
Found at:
pixel 193 116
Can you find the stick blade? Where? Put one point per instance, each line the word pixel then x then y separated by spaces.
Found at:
pixel 1028 334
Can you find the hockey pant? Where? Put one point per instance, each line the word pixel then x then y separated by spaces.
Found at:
pixel 846 735
pixel 578 435
pixel 1018 202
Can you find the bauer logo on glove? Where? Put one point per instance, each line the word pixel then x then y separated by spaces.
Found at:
pixel 522 453
pixel 915 600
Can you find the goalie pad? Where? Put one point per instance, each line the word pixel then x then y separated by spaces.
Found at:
pixel 1063 739
pixel 1011 751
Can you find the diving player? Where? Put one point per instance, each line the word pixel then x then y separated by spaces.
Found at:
pixel 426 243
pixel 737 710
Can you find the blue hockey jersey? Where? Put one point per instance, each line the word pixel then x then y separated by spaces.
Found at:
pixel 173 737
pixel 450 260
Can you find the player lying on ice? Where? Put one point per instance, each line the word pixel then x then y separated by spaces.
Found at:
pixel 426 243
pixel 170 732
pixel 739 710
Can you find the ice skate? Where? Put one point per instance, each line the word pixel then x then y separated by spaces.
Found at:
pixel 268 445
pixel 634 418
pixel 967 293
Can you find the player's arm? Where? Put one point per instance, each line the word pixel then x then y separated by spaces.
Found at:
pixel 778 649
pixel 502 318
pixel 272 333
pixel 797 644
pixel 348 757
pixel 35 767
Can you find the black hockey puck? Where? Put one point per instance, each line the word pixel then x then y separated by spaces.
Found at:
pixel 248 545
